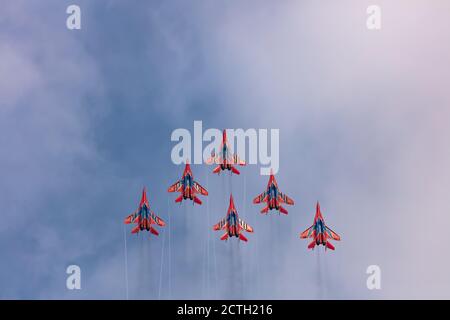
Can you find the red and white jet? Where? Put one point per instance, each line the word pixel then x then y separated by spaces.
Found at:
pixel 320 232
pixel 232 224
pixel 225 159
pixel 188 187
pixel 144 217
pixel 273 197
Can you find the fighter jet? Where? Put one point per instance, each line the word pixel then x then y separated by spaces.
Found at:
pixel 319 232
pixel 232 224
pixel 188 187
pixel 225 159
pixel 144 217
pixel 273 197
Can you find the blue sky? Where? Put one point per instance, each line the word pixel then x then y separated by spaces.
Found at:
pixel 86 118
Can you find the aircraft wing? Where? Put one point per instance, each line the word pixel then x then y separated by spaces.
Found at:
pixel 234 159
pixel 157 220
pixel 245 226
pixel 308 233
pixel 200 189
pixel 261 198
pixel 131 218
pixel 220 225
pixel 176 187
pixel 332 234
pixel 215 158
pixel 284 198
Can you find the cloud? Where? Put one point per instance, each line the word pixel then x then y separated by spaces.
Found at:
pixel 360 134
pixel 86 118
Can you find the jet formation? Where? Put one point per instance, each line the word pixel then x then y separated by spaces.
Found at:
pixel 272 197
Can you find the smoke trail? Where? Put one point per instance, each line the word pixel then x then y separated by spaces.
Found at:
pixel 183 237
pixel 245 282
pixel 216 281
pixel 235 273
pixel 161 267
pixel 257 267
pixel 204 264
pixel 233 286
pixel 214 258
pixel 183 245
pixel 271 252
pixel 126 260
pixel 170 248
pixel 204 269
pixel 208 238
pixel 145 285
pixel 206 261
pixel 320 293
pixel 140 267
pixel 325 274
pixel 239 271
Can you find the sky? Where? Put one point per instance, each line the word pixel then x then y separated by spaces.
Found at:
pixel 86 118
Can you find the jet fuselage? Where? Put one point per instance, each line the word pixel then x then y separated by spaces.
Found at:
pixel 233 225
pixel 187 186
pixel 273 197
pixel 144 216
pixel 225 165
pixel 319 228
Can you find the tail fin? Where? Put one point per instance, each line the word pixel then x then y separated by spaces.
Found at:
pixel 234 170
pixel 330 246
pixel 197 200
pixel 283 210
pixel 312 244
pixel 217 169
pixel 242 237
pixel 265 209
pixel 154 231
pixel 179 199
pixel 224 237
